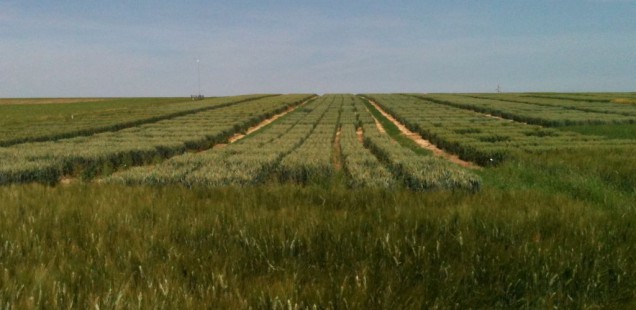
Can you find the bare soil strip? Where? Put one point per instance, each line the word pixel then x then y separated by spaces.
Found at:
pixel 337 152
pixel 48 100
pixel 360 134
pixel 496 117
pixel 423 142
pixel 377 122
pixel 258 126
pixel 501 118
pixel 379 125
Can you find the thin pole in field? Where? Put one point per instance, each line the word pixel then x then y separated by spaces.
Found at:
pixel 199 75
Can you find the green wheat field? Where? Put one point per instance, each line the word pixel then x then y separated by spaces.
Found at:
pixel 337 201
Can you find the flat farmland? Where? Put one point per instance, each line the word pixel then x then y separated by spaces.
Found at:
pixel 522 200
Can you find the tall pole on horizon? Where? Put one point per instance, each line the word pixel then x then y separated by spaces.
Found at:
pixel 199 75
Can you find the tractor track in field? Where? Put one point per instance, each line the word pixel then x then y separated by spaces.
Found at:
pixel 419 140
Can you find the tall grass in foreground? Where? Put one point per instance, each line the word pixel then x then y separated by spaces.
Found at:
pixel 110 246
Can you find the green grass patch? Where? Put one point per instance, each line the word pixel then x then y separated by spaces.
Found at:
pixel 604 177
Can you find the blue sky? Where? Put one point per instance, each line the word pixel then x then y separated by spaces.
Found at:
pixel 149 48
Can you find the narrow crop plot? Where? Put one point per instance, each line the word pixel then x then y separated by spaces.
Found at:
pixel 363 169
pixel 419 173
pixel 312 160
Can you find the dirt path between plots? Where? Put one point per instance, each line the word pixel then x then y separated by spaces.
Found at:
pixel 423 142
pixel 496 117
pixel 501 118
pixel 360 134
pixel 377 122
pixel 380 128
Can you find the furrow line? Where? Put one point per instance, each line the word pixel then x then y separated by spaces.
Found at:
pixel 264 123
